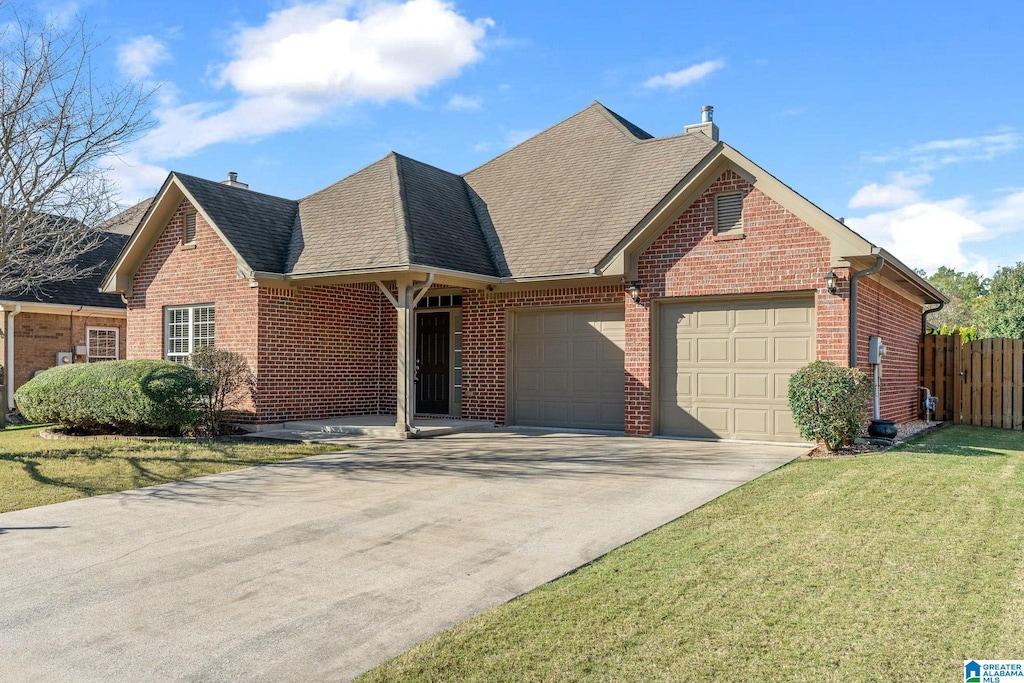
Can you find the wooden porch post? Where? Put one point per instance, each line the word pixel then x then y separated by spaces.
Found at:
pixel 404 300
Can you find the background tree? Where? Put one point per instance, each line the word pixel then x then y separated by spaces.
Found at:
pixel 966 292
pixel 59 126
pixel 1002 313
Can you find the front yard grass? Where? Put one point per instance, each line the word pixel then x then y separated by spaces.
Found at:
pixel 35 471
pixel 887 567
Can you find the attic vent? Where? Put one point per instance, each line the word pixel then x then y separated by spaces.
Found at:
pixel 190 228
pixel 728 213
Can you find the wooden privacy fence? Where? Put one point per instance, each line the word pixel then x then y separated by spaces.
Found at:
pixel 978 383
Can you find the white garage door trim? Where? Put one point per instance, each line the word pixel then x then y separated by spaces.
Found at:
pixel 512 324
pixel 657 314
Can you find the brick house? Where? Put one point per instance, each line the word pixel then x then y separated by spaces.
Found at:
pixel 592 277
pixel 68 322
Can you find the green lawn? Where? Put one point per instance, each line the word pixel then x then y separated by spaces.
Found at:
pixel 36 471
pixel 888 567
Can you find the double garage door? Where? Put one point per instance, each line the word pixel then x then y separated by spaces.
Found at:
pixel 722 367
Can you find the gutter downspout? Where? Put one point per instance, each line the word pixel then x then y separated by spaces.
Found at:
pixel 9 353
pixel 71 333
pixel 924 317
pixel 879 262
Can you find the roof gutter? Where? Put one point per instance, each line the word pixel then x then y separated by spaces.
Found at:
pixel 924 316
pixel 879 263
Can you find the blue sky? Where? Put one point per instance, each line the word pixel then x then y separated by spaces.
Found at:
pixel 906 118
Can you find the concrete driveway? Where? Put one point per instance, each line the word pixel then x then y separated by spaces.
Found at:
pixel 318 569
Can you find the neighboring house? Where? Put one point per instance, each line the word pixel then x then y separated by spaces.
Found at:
pixel 591 277
pixel 71 321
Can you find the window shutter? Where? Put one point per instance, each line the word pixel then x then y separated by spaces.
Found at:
pixel 728 213
pixel 190 228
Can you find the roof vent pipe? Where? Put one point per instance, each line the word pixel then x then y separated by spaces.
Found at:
pixel 232 181
pixel 707 125
pixel 879 262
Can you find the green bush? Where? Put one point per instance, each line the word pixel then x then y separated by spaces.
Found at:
pixel 829 402
pixel 125 396
pixel 225 381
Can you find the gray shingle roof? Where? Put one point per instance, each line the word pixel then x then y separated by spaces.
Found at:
pixel 84 291
pixel 562 200
pixel 125 222
pixel 556 204
pixel 258 225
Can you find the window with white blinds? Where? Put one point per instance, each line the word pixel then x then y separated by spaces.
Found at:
pixel 728 213
pixel 188 328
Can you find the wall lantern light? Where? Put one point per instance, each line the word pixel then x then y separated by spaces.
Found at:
pixel 830 282
pixel 634 290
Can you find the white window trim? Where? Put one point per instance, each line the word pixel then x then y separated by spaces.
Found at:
pixel 179 356
pixel 88 342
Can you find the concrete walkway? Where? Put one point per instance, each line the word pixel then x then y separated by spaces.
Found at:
pixel 318 569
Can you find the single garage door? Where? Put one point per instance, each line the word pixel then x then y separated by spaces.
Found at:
pixel 568 368
pixel 724 366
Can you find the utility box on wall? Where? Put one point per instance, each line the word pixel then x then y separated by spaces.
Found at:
pixel 876 349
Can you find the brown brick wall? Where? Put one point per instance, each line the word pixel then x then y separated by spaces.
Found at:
pixel 38 337
pixel 326 351
pixel 175 274
pixel 897 321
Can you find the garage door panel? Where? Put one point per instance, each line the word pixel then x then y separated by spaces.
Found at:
pixel 711 319
pixel 752 422
pixel 784 425
pixel 712 385
pixel 577 378
pixel 752 349
pixel 751 386
pixel 798 316
pixel 712 350
pixel 793 350
pixel 752 317
pixel 724 366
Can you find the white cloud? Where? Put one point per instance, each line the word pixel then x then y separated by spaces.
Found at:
pixel 934 154
pixel 900 191
pixel 674 80
pixel 136 179
pixel 388 51
pixel 463 102
pixel 875 195
pixel 312 58
pixel 139 56
pixel 928 235
pixel 482 147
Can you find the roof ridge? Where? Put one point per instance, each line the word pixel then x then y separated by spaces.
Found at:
pixel 232 187
pixel 633 131
pixel 590 106
pixel 403 223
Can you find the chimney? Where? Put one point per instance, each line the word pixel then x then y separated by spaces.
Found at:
pixel 232 181
pixel 706 125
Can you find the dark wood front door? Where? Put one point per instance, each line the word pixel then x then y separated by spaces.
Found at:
pixel 432 364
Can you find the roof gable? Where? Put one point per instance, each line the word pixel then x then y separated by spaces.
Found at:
pixel 258 226
pixel 562 200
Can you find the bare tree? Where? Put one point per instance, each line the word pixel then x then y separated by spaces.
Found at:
pixel 58 129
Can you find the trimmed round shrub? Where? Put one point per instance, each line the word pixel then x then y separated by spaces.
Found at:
pixel 127 396
pixel 829 402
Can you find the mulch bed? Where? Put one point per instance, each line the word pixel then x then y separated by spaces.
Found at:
pixel 906 431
